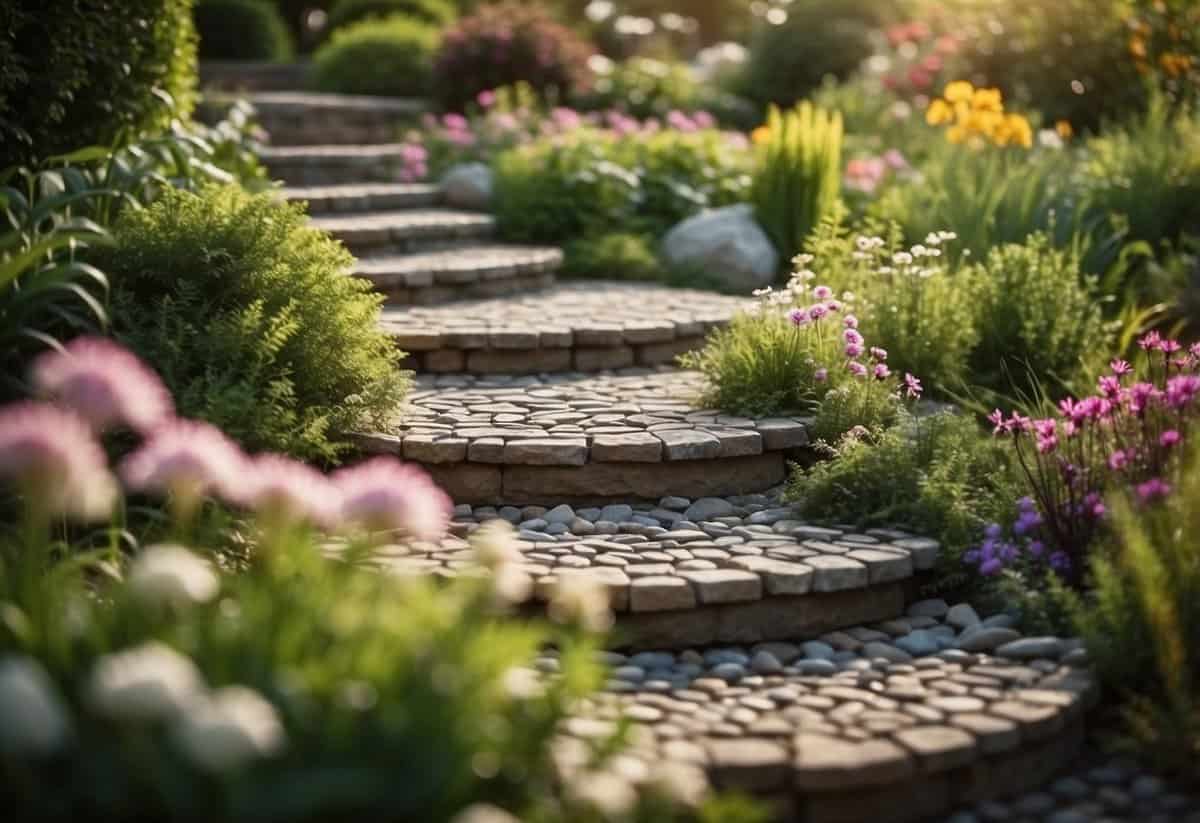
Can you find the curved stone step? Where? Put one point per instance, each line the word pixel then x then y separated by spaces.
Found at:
pixel 841 730
pixel 241 76
pixel 689 572
pixel 461 273
pixel 570 437
pixel 353 198
pixel 407 230
pixel 293 118
pixel 330 164
pixel 582 325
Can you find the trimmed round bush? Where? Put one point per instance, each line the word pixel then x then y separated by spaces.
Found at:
pixel 76 74
pixel 384 57
pixel 820 38
pixel 346 12
pixel 241 30
pixel 508 43
pixel 249 315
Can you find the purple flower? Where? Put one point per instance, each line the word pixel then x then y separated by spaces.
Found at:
pixel 1118 460
pixel 853 350
pixel 1169 438
pixel 1169 346
pixel 1139 397
pixel 833 305
pixel 822 293
pixel 1153 489
pixel 104 383
pixel 817 311
pixel 1036 548
pixel 1120 368
pixel 821 375
pixel 1181 390
pixel 850 321
pixel 53 456
pixel 282 489
pixel 1060 562
pixel 996 418
pixel 912 386
pixel 188 459
pixel 878 353
pixel 852 336
pixel 857 369
pixel 799 317
pixel 1109 386
pixel 1150 341
pixel 882 372
pixel 382 494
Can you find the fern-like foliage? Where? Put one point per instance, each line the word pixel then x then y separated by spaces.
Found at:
pixel 251 318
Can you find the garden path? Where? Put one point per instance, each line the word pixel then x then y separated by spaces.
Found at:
pixel 835 693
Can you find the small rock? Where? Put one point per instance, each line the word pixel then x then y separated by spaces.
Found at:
pixel 1030 648
pixel 1147 786
pixel 1037 803
pixel 815 667
pixel 581 526
pixel 928 608
pixel 559 514
pixel 510 513
pixel 537 524
pixel 706 508
pixel 887 651
pixel 677 504
pixel 468 186
pixel 816 650
pixel 918 643
pixel 616 513
pixel 727 242
pixel 980 639
pixel 962 616
pixel 1000 621
pixel 729 672
pixel 1071 788
pixel 764 662
pixel 630 674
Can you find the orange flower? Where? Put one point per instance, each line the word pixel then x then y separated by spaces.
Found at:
pixel 760 135
pixel 1063 127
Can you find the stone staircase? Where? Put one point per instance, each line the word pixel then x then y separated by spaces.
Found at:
pixel 758 652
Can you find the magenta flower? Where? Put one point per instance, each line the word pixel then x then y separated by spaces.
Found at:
pixel 833 305
pixel 853 350
pixel 857 369
pixel 455 122
pixel 1109 386
pixel 822 293
pixel 704 120
pixel 1169 346
pixel 1121 368
pixel 816 312
pixel 912 386
pixel 878 353
pixel 1181 390
pixel 1170 438
pixel 1150 341
pixel 189 459
pixel 104 383
pixel 799 317
pixel 53 456
pixel 881 371
pixel 996 418
pixel 850 321
pixel 821 375
pixel 1153 489
pixel 1118 460
pixel 383 494
pixel 285 490
pixel 486 98
pixel 852 336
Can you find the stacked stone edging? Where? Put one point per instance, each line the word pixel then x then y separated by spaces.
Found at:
pixel 458 274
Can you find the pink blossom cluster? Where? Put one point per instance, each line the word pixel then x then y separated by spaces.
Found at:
pixel 867 174
pixel 915 58
pixel 414 163
pixel 1127 435
pixel 51 452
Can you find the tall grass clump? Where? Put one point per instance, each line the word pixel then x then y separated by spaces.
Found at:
pixel 798 177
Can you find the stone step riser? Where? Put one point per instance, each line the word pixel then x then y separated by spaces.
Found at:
pixel 333 171
pixel 586 359
pixel 300 130
pixel 320 206
pixel 399 294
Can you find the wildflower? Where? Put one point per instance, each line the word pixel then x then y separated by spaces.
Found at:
pixel 1181 390
pixel 1060 562
pixel 850 321
pixel 171 575
pixel 1153 489
pixel 1120 368
pixel 103 383
pixel 1109 385
pixel 817 311
pixel 996 418
pixel 902 258
pixel 282 490
pixel 383 494
pixel 229 729
pixel 799 317
pixel 878 353
pixel 1118 460
pixel 857 369
pixel 52 455
pixel 833 305
pixel 912 386
pixel 145 683
pixel 1064 130
pixel 822 293
pixel 1150 341
pixel 960 91
pixel 582 599
pixel 852 336
pixel 33 719
pixel 881 371
pixel 1169 439
pixel 821 375
pixel 188 459
pixel 486 98
pixel 939 113
pixel 760 135
pixel 853 350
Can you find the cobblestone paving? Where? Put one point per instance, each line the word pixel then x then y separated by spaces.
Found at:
pixel 359 197
pixel 402 230
pixel 454 267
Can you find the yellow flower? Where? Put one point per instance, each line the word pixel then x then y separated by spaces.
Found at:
pixel 984 122
pixel 1137 46
pixel 1063 127
pixel 760 135
pixel 987 100
pixel 959 91
pixel 957 134
pixel 939 112
pixel 1020 132
pixel 1175 64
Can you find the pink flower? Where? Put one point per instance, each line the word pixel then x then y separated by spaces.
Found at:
pixel 821 375
pixel 704 120
pixel 1150 341
pixel 857 369
pixel 1169 346
pixel 1118 460
pixel 816 312
pixel 189 459
pixel 850 321
pixel 455 122
pixel 382 494
pixel 878 353
pixel 486 98
pixel 1109 385
pixel 1140 396
pixel 1169 438
pixel 996 418
pixel 822 293
pixel 852 336
pixel 1121 368
pixel 565 119
pixel 104 383
pixel 799 317
pixel 912 386
pixel 282 489
pixel 895 160
pixel 833 305
pixel 53 456
pixel 1181 390
pixel 1153 489
pixel 680 121
pixel 853 350
pixel 882 372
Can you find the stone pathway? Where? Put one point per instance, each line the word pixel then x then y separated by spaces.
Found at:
pixel 757 651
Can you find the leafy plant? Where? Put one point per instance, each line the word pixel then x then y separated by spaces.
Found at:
pixel 80 74
pixel 798 176
pixel 241 30
pixel 506 43
pixel 391 56
pixel 617 256
pixel 248 314
pixel 348 12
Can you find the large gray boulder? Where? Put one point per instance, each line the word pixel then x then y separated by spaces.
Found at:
pixel 468 186
pixel 726 244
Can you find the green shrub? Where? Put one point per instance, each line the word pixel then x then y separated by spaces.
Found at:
pixel 1038 317
pixel 347 12
pixel 241 30
pixel 508 43
pixel 820 38
pixel 384 57
pixel 617 256
pixel 938 475
pixel 248 314
pixel 799 174
pixel 78 74
pixel 644 87
pixel 1141 624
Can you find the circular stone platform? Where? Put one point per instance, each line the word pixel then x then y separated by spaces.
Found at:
pixel 850 727
pixel 570 437
pixel 694 572
pixel 584 325
pixel 479 272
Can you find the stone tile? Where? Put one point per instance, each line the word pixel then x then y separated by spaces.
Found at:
pixel 724 585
